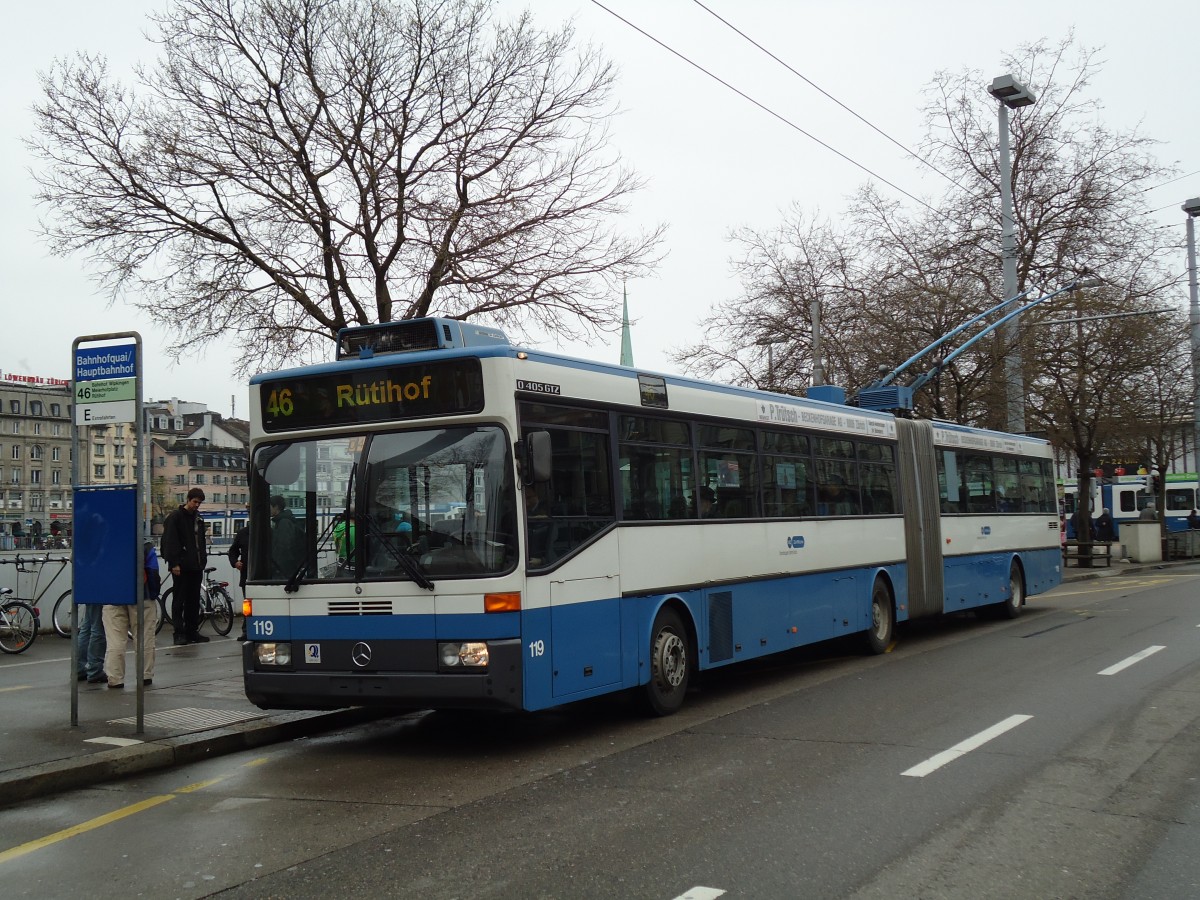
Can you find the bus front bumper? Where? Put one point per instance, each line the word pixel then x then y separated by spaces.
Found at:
pixel 405 677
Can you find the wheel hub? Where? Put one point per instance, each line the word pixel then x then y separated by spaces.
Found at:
pixel 671 660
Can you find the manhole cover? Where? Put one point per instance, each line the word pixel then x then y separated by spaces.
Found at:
pixel 189 719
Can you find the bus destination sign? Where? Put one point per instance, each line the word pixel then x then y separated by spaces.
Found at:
pixel 348 397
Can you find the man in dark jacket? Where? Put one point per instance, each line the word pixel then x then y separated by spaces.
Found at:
pixel 183 546
pixel 287 539
pixel 238 551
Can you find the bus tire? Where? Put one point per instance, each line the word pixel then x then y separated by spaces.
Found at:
pixel 882 630
pixel 1011 608
pixel 670 664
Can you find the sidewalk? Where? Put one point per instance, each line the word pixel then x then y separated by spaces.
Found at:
pixel 196 708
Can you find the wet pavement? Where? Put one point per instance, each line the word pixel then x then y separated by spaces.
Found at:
pixel 195 708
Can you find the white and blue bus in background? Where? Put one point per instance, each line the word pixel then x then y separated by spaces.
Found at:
pixel 1125 496
pixel 517 529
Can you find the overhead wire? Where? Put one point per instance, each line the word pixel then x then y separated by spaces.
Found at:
pixel 821 90
pixel 769 111
pixel 830 96
pixel 1165 183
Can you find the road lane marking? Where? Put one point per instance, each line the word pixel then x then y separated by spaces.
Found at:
pixel 116 816
pixel 1126 663
pixel 701 893
pixel 963 748
pixel 83 827
pixel 35 662
pixel 19 687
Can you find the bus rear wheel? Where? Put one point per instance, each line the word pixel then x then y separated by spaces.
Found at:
pixel 670 664
pixel 1011 608
pixel 883 619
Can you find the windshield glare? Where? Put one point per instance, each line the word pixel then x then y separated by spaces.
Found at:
pixel 419 505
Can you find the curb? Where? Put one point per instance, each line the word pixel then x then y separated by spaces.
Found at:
pixel 43 779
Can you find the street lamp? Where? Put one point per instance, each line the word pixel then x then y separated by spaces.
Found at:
pixel 1192 208
pixel 770 344
pixel 1012 95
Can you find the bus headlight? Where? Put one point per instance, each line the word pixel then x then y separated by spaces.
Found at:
pixel 467 654
pixel 272 654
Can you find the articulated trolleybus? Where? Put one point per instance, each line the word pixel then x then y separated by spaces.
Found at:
pixel 441 519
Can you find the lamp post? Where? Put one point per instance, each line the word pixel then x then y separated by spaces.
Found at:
pixel 1012 95
pixel 1192 208
pixel 770 344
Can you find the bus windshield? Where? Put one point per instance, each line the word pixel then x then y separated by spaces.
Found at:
pixel 409 505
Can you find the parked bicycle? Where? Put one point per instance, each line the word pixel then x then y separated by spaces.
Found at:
pixel 18 624
pixel 215 605
pixel 35 566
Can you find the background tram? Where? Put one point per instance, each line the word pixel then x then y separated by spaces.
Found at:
pixel 1125 496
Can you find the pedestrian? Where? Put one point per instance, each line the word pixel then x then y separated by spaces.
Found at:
pixel 120 619
pixel 344 533
pixel 186 554
pixel 89 644
pixel 1148 513
pixel 287 540
pixel 239 559
pixel 1193 520
pixel 1104 526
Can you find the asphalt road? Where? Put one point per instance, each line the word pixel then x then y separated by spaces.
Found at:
pixel 1054 756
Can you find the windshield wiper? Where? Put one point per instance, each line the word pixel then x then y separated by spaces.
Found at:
pixel 411 567
pixel 293 583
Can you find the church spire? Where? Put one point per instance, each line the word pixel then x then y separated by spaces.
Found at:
pixel 626 340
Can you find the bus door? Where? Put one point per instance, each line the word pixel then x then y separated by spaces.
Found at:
pixel 922 518
pixel 585 623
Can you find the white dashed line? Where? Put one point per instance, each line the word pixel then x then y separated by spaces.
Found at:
pixel 1126 663
pixel 961 749
pixel 701 893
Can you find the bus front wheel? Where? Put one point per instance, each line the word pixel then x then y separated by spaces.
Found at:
pixel 670 664
pixel 883 618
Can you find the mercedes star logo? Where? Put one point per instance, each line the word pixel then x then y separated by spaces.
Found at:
pixel 361 654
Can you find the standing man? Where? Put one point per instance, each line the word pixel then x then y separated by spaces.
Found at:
pixel 287 540
pixel 119 621
pixel 90 645
pixel 238 558
pixel 186 554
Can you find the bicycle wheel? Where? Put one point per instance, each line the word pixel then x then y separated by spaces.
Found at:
pixel 61 616
pixel 221 611
pixel 164 615
pixel 18 627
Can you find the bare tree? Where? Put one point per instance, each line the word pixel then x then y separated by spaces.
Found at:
pixel 765 337
pixel 291 167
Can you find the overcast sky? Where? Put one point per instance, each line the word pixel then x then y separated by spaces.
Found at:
pixel 713 161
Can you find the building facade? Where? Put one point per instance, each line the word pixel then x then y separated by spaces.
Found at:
pixel 35 458
pixel 187 446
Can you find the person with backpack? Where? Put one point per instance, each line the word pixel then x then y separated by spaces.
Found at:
pixel 239 558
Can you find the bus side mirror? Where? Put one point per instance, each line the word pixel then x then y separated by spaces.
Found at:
pixel 537 458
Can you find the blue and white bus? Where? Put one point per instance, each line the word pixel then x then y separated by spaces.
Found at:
pixel 517 529
pixel 1125 496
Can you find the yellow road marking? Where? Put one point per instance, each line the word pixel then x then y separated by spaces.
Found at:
pixel 83 827
pixel 200 785
pixel 19 687
pixel 116 816
pixel 1100 585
